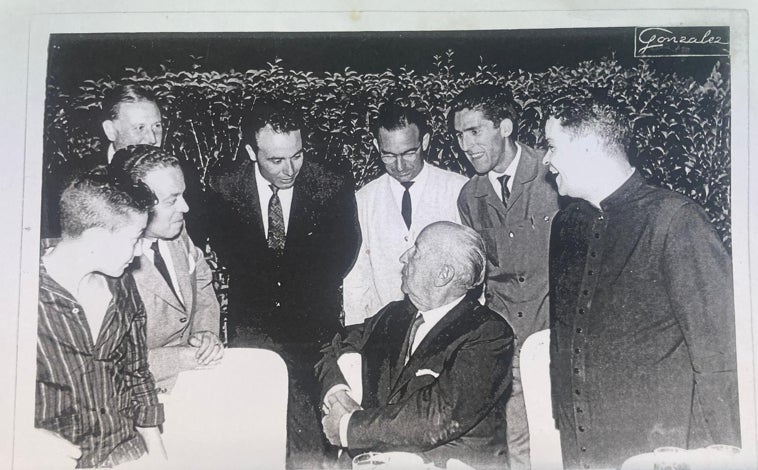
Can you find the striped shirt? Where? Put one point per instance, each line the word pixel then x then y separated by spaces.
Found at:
pixel 94 393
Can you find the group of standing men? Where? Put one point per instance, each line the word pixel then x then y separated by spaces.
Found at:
pixel 632 281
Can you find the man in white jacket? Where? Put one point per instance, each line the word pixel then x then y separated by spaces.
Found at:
pixel 394 208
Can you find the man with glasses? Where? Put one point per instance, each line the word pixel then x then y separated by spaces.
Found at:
pixel 394 208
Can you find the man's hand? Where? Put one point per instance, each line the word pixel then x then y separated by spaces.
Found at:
pixel 209 348
pixel 338 404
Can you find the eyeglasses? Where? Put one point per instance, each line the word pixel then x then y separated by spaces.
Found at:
pixel 408 155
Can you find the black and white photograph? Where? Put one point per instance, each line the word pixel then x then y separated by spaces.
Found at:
pixel 346 239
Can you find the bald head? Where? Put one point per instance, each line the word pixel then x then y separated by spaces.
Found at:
pixel 446 261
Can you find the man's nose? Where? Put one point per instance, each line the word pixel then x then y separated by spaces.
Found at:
pixel 404 256
pixel 400 163
pixel 464 142
pixel 151 138
pixel 183 206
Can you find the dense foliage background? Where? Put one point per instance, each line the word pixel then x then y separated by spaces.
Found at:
pixel 681 138
pixel 682 127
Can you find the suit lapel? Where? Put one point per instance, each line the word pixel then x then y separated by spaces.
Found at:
pixel 438 338
pixel 251 206
pixel 488 202
pixel 149 279
pixel 525 173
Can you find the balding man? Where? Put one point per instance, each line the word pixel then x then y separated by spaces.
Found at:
pixel 436 365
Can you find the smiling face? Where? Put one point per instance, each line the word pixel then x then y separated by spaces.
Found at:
pixel 279 157
pixel 166 217
pixel 569 159
pixel 402 151
pixel 482 140
pixel 137 123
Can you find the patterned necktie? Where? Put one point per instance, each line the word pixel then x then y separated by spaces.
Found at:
pixel 160 265
pixel 405 207
pixel 412 336
pixel 504 191
pixel 276 235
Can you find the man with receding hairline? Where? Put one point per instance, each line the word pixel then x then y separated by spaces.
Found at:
pixel 642 309
pixel 436 366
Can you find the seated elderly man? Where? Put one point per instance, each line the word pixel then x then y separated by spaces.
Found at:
pixel 436 366
pixel 93 386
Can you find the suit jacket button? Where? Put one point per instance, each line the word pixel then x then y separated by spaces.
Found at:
pixel 183 320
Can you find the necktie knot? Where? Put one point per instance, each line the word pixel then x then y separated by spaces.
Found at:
pixel 504 191
pixel 274 189
pixel 407 184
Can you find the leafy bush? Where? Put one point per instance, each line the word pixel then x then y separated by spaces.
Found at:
pixel 681 130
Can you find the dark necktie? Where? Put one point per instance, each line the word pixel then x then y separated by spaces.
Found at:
pixel 160 264
pixel 405 207
pixel 504 191
pixel 276 234
pixel 412 336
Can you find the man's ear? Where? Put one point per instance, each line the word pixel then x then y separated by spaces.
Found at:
pixel 110 130
pixel 425 141
pixel 445 276
pixel 250 152
pixel 506 128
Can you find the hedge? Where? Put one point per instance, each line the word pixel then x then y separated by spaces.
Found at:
pixel 681 138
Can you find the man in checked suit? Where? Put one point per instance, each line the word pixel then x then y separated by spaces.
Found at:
pixel 395 207
pixel 287 230
pixel 436 366
pixel 172 276
pixel 511 204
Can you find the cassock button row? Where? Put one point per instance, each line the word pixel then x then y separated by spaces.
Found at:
pixel 597 235
pixel 593 254
pixel 579 409
pixel 577 392
pixel 520 314
pixel 576 370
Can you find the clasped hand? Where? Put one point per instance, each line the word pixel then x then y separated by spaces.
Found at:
pixel 338 404
pixel 210 350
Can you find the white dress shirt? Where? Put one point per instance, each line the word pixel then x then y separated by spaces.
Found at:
pixel 264 195
pixel 375 280
pixel 493 176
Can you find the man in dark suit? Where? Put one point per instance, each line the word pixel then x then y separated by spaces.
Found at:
pixel 287 231
pixel 511 204
pixel 436 366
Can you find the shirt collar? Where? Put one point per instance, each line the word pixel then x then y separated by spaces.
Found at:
pixel 265 185
pixel 418 181
pixel 434 315
pixel 510 171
